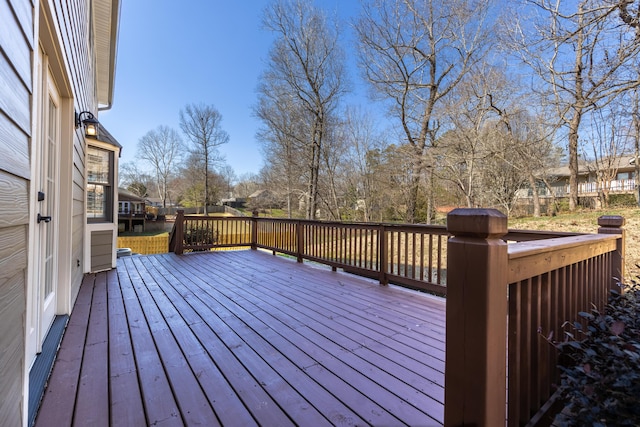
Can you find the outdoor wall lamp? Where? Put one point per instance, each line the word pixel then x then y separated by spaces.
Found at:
pixel 90 123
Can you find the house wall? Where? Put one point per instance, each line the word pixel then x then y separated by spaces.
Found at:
pixel 16 47
pixel 62 28
pixel 73 20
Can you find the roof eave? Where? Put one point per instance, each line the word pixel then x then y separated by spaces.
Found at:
pixel 106 21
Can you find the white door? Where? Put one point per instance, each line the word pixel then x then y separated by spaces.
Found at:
pixel 46 176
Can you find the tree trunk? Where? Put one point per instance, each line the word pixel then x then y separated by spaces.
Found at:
pixel 573 160
pixel 636 137
pixel 551 207
pixel 206 180
pixel 412 202
pixel 534 196
pixel 314 169
pixel 578 107
pixel 431 203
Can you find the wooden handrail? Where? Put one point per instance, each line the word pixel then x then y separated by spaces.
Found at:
pixel 533 258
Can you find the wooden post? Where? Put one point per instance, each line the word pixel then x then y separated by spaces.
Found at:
pixel 254 231
pixel 383 261
pixel 476 340
pixel 299 240
pixel 612 224
pixel 179 232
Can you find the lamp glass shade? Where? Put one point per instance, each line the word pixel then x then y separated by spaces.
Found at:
pixel 90 126
pixel 91 129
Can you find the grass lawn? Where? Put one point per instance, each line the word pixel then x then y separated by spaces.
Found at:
pixel 586 221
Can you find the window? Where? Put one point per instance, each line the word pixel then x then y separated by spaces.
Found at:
pixel 99 185
pixel 123 208
pixel 624 175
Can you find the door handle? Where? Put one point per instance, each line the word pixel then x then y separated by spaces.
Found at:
pixel 43 218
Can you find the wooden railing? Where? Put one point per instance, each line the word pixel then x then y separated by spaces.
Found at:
pixel 408 255
pixel 516 296
pixel 414 256
pixel 561 189
pixel 505 289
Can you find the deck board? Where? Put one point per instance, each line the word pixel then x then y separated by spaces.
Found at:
pixel 92 404
pixel 244 338
pixel 58 402
pixel 157 397
pixel 125 398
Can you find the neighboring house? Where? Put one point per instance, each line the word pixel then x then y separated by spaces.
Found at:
pixel 263 199
pixel 155 202
pixel 131 211
pixel 234 202
pixel 615 177
pixel 57 60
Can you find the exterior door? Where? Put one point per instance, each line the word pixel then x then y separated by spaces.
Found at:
pixel 47 177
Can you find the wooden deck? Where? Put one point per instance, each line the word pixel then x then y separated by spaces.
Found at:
pixel 243 338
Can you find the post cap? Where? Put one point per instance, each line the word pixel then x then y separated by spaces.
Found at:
pixel 481 223
pixel 611 221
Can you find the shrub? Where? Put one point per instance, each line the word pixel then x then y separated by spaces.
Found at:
pixel 622 200
pixel 562 205
pixel 200 236
pixel 601 382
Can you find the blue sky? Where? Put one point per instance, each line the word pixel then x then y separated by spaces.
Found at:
pixel 206 51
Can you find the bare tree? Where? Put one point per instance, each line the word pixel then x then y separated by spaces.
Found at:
pixel 629 14
pixel 503 173
pixel 134 179
pixel 247 184
pixel 635 136
pixel 610 140
pixel 229 177
pixel 362 138
pixel 162 149
pixel 202 124
pixel 464 149
pixel 284 135
pixel 413 53
pixel 583 57
pixel 307 62
pixel 332 182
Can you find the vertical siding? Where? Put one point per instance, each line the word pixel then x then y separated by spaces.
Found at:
pixel 16 48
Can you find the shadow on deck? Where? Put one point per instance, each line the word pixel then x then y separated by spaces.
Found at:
pixel 244 338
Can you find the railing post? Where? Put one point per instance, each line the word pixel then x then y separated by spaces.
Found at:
pixel 179 232
pixel 383 254
pixel 299 240
pixel 476 338
pixel 612 224
pixel 254 231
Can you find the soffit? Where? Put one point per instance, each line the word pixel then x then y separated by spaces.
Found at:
pixel 106 15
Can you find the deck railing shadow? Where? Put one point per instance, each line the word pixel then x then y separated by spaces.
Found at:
pixel 508 291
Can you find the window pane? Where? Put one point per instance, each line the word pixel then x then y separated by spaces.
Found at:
pixel 96 201
pixel 98 169
pixel 100 195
